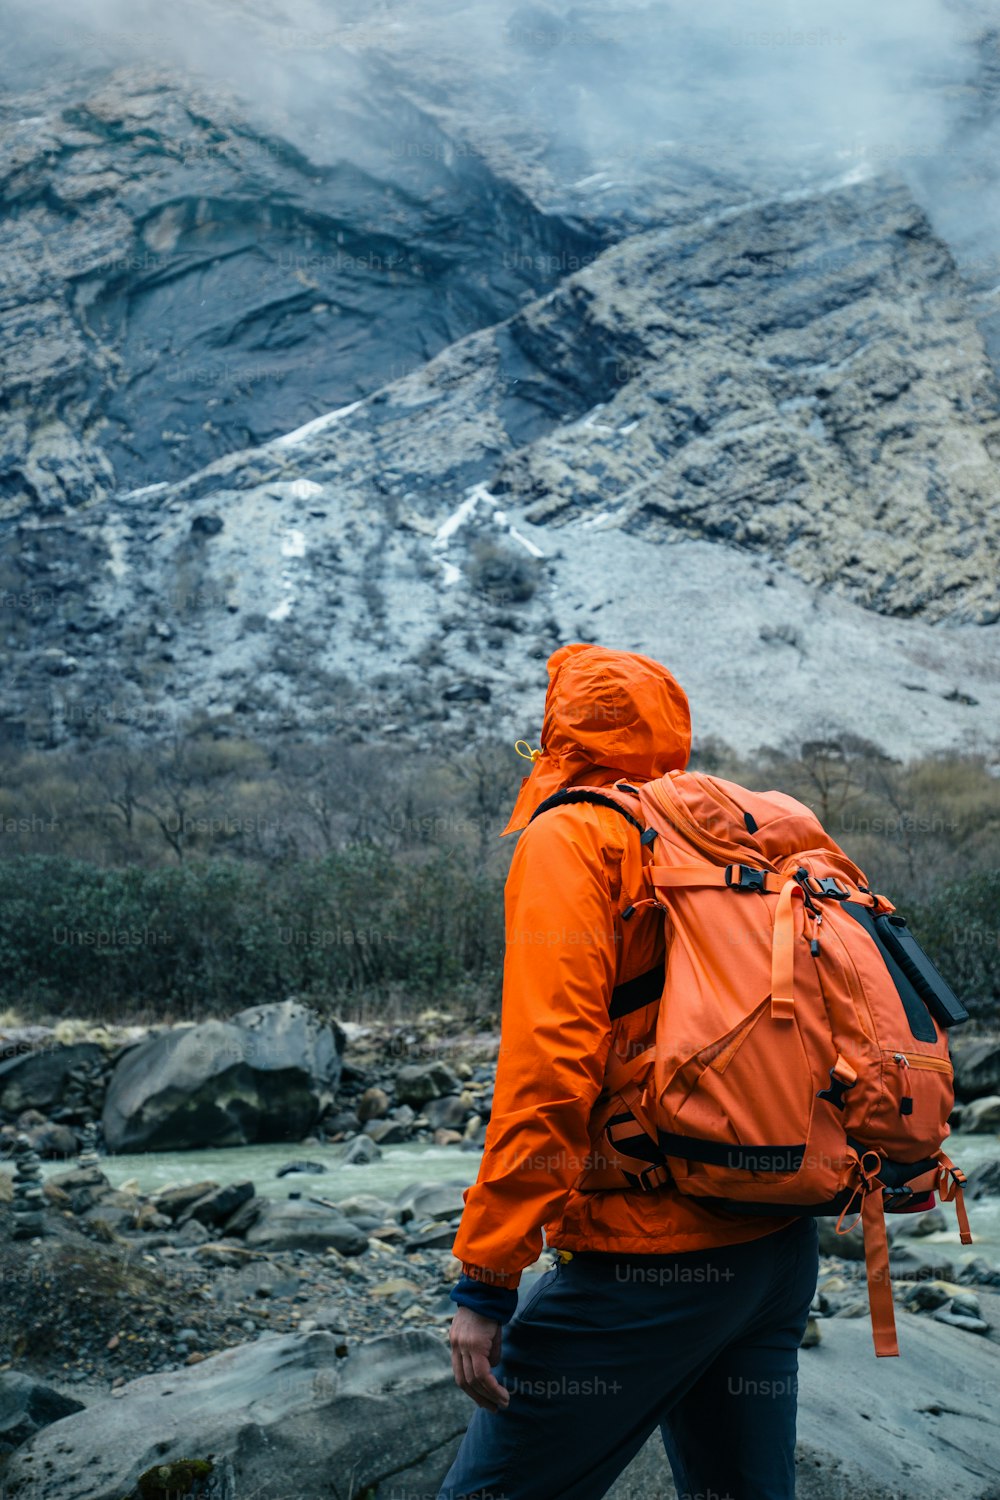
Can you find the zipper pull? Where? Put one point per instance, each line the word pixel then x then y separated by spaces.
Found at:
pixel 901 1059
pixel 814 940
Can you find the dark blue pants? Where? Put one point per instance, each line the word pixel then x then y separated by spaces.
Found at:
pixel 604 1349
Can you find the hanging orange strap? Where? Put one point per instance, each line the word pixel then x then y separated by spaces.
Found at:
pixel 783 953
pixel 883 1314
pixel 872 1217
pixel 951 1186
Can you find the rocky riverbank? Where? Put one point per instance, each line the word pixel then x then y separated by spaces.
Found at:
pixel 312 1303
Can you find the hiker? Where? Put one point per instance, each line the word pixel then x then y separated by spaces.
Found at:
pixel 660 1311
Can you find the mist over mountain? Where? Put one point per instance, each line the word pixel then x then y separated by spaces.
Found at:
pixel 355 356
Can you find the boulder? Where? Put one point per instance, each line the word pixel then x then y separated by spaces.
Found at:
pixel 373 1105
pixel 977 1066
pixel 984 1180
pixel 982 1116
pixel 450 1112
pixel 278 1417
pixel 916 1226
pixel 37 1078
pixel 176 1201
pixel 360 1151
pixel 54 1141
pixel 218 1205
pixel 313 1168
pixel 923 1263
pixel 416 1083
pixel 83 1186
pixel 388 1132
pixel 299 1224
pixel 850 1246
pixel 265 1075
pixel 431 1200
pixel 248 1213
pixel 365 1206
pixel 26 1406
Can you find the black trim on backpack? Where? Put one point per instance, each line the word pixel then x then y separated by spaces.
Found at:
pixel 582 794
pixel 637 992
pixel 920 1020
pixel 737 1158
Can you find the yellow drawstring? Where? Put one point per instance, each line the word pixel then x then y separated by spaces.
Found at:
pixel 527 753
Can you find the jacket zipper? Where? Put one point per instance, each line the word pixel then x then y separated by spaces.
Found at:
pixel 918 1060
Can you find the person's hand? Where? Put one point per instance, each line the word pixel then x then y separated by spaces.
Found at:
pixel 475 1346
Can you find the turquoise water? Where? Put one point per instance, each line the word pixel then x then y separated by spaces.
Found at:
pixel 401 1165
pixel 398 1166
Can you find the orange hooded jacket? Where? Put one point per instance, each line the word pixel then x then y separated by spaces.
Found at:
pixel 608 714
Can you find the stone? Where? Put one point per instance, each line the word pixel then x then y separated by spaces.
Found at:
pixel 982 1116
pixel 373 1105
pixel 267 1074
pixel 388 1132
pixel 278 1416
pixel 450 1112
pixel 447 1137
pixel 26 1406
pixel 37 1079
pixel 360 1151
pixel 297 1224
pixel 219 1204
pixel 812 1335
pixel 432 1200
pixel 849 1246
pixel 984 1180
pixel 313 1168
pixel 417 1083
pixel 977 1066
pixel 916 1226
pixel 176 1201
pixel 926 1263
pixel 365 1206
pixel 53 1141
pixel 248 1213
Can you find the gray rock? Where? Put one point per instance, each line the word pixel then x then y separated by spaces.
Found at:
pixel 285 1413
pixel 313 1168
pixel 432 1200
pixel 267 1074
pixel 984 1180
pixel 373 1105
pixel 923 1263
pixel 298 1224
pixel 360 1151
pixel 982 1116
pixel 416 1083
pixel 450 1112
pixel 192 1232
pixel 248 1213
pixel 365 1206
pixel 175 1202
pixel 220 1204
pixel 916 1226
pixel 26 1406
pixel 37 1079
pixel 977 1066
pixel 850 1246
pixel 388 1132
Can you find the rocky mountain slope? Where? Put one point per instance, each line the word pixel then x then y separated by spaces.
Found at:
pixel 340 418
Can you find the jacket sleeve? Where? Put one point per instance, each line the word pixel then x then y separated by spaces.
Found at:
pixel 559 971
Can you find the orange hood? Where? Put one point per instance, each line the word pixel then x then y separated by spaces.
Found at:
pixel 605 708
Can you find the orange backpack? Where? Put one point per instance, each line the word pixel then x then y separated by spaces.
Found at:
pixel 797 1066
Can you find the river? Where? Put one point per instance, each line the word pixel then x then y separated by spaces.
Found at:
pixel 415 1162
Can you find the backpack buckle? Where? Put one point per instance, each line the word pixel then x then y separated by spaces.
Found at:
pixel 748 879
pixel 828 886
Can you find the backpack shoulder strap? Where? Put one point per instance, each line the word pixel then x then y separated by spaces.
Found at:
pixel 599 795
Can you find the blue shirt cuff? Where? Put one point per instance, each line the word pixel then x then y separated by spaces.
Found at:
pixel 496 1302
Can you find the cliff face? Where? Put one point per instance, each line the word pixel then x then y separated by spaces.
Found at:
pixel 346 433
